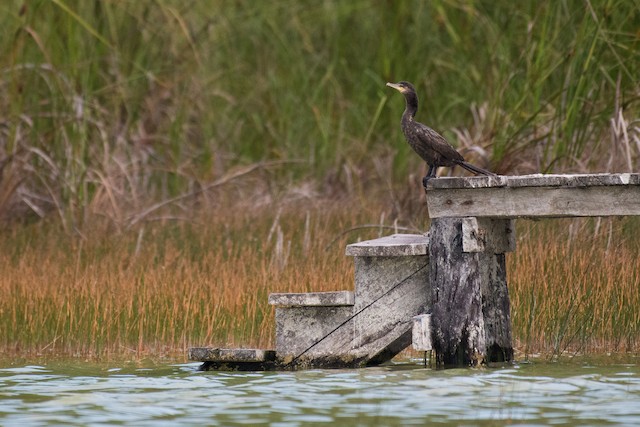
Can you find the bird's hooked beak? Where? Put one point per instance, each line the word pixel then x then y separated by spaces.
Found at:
pixel 396 87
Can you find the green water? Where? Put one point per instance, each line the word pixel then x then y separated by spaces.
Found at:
pixel 539 393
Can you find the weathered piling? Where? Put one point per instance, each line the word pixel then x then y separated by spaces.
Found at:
pixel 470 313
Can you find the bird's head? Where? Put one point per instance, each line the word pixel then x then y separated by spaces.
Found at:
pixel 403 87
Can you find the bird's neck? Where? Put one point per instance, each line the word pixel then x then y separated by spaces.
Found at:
pixel 411 108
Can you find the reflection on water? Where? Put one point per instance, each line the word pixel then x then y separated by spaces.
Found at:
pixel 406 394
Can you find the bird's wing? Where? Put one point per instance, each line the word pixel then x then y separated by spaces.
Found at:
pixel 436 142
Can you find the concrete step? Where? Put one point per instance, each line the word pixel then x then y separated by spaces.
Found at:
pixel 312 299
pixel 395 245
pixel 368 327
pixel 305 319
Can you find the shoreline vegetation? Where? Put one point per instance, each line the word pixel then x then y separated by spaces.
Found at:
pixel 165 165
pixel 574 284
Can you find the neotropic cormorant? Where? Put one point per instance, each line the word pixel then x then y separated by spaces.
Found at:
pixel 429 144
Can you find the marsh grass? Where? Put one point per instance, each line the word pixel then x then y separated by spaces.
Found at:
pixel 574 286
pixel 166 288
pixel 177 285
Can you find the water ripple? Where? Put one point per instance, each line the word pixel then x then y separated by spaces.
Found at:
pixel 529 394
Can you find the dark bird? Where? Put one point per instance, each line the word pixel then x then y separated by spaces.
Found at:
pixel 429 144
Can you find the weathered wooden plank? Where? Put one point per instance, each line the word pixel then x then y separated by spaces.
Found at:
pixel 421 333
pixel 535 180
pixel 488 235
pixel 532 202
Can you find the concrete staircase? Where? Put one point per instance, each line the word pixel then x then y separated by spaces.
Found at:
pixel 365 327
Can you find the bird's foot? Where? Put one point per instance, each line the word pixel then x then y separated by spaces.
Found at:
pixel 425 180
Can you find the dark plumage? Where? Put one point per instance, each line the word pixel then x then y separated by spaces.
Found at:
pixel 429 144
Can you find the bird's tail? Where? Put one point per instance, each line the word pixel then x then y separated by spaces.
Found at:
pixel 474 169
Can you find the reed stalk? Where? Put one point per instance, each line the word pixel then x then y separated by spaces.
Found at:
pixel 189 284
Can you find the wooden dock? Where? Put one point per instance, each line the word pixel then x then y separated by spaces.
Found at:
pixel 446 291
pixel 535 196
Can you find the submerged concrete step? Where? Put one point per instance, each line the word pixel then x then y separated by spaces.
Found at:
pixel 236 359
pixel 312 299
pixel 212 354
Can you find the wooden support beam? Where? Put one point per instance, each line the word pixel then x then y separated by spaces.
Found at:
pixel 488 235
pixel 421 333
pixel 472 228
pixel 535 196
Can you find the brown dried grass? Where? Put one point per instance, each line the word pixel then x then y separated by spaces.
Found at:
pixel 165 287
pixel 575 286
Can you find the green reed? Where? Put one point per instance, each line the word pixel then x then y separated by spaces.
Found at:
pixel 110 106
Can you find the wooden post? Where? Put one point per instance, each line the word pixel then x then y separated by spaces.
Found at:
pixel 470 312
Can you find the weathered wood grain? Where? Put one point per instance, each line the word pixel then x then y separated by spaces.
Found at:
pixel 534 196
pixel 536 180
pixel 496 307
pixel 470 319
pixel 488 235
pixel 458 334
pixel 421 333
